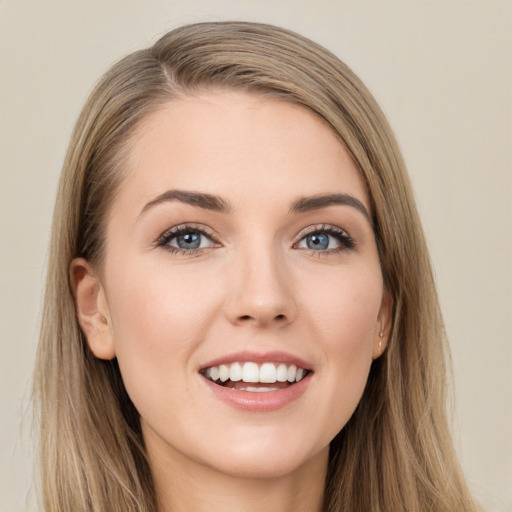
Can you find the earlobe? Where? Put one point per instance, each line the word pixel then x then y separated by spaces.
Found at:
pixel 92 308
pixel 383 325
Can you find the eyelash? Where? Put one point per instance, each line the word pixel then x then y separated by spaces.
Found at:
pixel 165 239
pixel 345 240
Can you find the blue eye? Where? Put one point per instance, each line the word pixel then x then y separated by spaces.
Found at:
pixel 186 241
pixel 326 239
pixel 317 241
pixel 185 238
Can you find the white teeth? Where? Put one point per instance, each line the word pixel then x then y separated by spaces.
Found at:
pixel 292 373
pixel 214 373
pixel 250 372
pixel 282 373
pixel 223 373
pixel 235 372
pixel 268 373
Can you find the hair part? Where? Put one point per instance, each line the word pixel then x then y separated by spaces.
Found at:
pixel 396 452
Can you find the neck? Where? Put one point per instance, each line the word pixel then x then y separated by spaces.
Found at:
pixel 182 485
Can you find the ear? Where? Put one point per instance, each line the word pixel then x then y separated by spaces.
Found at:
pixel 92 308
pixel 383 329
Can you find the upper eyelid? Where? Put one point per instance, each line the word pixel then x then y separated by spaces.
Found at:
pixel 187 227
pixel 180 228
pixel 207 231
pixel 346 240
pixel 322 228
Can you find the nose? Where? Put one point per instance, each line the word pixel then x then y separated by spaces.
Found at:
pixel 260 292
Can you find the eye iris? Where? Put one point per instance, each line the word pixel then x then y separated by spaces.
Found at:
pixel 189 241
pixel 318 241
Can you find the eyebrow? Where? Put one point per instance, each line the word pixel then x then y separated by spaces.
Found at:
pixel 202 200
pixel 217 204
pixel 306 204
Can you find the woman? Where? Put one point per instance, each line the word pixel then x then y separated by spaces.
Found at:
pixel 240 311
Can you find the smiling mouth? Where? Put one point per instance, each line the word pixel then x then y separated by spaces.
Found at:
pixel 253 377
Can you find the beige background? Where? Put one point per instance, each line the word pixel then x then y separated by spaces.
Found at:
pixel 442 72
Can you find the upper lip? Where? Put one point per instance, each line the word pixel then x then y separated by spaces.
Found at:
pixel 259 358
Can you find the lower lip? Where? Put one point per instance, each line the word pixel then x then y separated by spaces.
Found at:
pixel 266 401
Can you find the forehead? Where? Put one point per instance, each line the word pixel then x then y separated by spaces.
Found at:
pixel 240 145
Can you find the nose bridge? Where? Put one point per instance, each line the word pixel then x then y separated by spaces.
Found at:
pixel 260 288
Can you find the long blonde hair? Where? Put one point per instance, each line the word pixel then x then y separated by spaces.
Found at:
pixel 395 454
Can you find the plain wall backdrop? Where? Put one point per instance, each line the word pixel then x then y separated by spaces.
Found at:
pixel 441 70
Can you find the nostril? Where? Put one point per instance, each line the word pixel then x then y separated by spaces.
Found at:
pixel 245 318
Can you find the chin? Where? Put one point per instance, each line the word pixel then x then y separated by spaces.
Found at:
pixel 268 460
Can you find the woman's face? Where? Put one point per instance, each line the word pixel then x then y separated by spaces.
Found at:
pixel 240 247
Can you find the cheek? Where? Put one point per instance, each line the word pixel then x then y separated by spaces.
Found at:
pixel 158 320
pixel 345 307
pixel 344 316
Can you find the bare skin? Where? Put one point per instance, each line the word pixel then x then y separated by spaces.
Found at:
pixel 201 489
pixel 241 234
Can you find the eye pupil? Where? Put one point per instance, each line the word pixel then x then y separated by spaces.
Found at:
pixel 189 241
pixel 318 241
